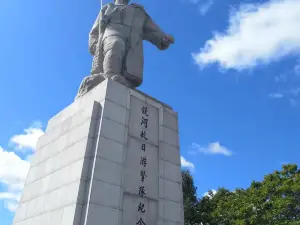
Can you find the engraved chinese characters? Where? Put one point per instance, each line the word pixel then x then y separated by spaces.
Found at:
pixel 141 174
pixel 143 162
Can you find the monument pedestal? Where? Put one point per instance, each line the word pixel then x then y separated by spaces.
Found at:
pixel 111 157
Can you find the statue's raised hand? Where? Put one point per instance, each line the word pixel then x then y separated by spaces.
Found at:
pixel 169 39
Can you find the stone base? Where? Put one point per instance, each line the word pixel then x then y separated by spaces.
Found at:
pixel 135 177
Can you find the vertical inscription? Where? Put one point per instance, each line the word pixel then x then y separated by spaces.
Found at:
pixel 141 192
pixel 143 163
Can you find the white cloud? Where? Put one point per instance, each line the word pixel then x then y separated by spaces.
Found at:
pixel 295 91
pixel 9 196
pixel 13 172
pixel 292 94
pixel 204 7
pixel 187 164
pixel 290 77
pixel 257 33
pixel 276 95
pixel 214 148
pixel 11 206
pixel 288 85
pixel 207 194
pixel 14 169
pixel 297 68
pixel 29 139
pixel 10 200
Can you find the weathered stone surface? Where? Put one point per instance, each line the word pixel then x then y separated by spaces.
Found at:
pixel 94 167
pixel 116 42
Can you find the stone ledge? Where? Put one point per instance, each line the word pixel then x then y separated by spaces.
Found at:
pixel 151 98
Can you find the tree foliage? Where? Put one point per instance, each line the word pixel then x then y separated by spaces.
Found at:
pixel 189 198
pixel 274 201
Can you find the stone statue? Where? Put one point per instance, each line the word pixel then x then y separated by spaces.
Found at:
pixel 116 42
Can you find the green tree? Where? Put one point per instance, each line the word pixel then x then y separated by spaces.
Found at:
pixel 189 198
pixel 274 201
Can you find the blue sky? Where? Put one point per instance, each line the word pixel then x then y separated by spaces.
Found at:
pixel 233 75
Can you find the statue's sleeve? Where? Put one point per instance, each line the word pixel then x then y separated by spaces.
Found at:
pixel 153 33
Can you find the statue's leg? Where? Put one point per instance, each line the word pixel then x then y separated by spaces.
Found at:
pixel 114 49
pixel 114 52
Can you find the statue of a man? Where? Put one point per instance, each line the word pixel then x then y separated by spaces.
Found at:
pixel 116 42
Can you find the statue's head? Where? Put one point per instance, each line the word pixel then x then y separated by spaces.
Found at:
pixel 122 1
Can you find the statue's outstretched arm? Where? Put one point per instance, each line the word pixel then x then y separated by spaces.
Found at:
pixel 153 33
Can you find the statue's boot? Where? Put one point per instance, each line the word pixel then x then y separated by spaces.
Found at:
pixel 88 83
